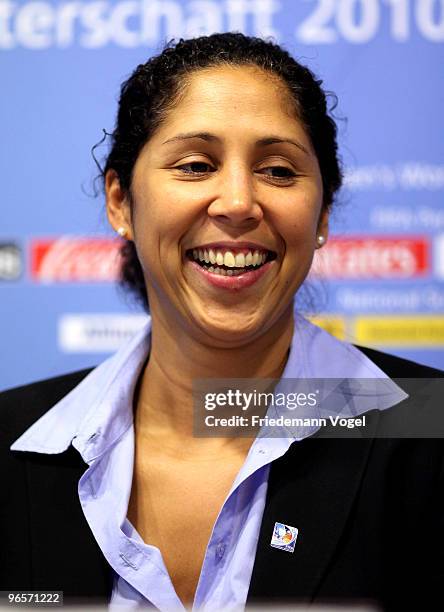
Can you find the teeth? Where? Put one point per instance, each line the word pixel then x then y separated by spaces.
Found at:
pixel 229 260
pixel 230 272
pixel 239 260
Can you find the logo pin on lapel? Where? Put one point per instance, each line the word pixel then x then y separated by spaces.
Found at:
pixel 284 537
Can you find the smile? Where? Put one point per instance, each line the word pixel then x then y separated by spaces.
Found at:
pixel 229 261
pixel 230 267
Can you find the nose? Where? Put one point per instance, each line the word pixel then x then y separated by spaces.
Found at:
pixel 236 203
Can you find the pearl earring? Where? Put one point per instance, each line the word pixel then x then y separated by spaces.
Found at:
pixel 320 240
pixel 122 232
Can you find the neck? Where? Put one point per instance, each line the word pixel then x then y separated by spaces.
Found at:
pixel 164 415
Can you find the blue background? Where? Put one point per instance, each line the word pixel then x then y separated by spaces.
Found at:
pixel 383 58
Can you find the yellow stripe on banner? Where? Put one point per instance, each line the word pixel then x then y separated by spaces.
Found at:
pixel 335 326
pixel 400 331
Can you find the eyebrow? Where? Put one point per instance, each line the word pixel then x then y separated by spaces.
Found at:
pixel 269 140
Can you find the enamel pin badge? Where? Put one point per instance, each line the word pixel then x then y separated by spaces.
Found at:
pixel 284 537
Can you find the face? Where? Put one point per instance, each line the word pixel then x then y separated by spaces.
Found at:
pixel 227 205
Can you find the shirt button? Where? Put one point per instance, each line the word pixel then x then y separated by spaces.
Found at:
pixel 220 550
pixel 261 451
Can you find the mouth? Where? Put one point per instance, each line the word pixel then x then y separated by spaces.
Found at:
pixel 230 261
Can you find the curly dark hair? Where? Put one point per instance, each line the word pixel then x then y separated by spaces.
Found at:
pixel 156 86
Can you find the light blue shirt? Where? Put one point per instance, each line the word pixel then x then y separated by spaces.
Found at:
pixel 97 419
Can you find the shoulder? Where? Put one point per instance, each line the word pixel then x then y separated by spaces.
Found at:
pixel 397 367
pixel 419 416
pixel 22 406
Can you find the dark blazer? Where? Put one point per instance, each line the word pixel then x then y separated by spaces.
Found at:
pixel 370 510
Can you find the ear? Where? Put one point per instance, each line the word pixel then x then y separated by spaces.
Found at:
pixel 118 207
pixel 322 229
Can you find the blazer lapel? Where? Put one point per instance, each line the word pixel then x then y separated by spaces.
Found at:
pixel 312 488
pixel 64 553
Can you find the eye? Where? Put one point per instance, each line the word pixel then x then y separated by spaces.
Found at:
pixel 198 168
pixel 282 172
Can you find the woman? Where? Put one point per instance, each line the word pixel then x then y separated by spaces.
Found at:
pixel 221 176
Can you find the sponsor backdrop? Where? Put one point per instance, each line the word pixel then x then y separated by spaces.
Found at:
pixel 379 281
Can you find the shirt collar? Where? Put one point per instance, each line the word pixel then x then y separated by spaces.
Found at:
pixel 98 411
pixel 348 382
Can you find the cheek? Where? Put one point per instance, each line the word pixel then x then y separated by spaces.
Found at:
pixel 160 218
pixel 299 229
pixel 160 222
pixel 296 215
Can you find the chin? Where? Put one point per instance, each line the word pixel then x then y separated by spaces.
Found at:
pixel 224 330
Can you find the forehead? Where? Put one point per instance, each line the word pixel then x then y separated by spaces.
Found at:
pixel 230 97
pixel 241 85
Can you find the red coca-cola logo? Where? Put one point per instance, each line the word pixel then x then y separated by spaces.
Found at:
pixel 363 258
pixel 69 259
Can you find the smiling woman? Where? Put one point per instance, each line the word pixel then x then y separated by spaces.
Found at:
pixel 220 179
pixel 243 182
